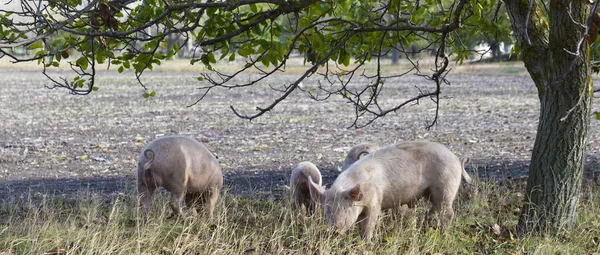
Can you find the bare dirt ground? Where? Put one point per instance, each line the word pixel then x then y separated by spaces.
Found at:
pixel 55 143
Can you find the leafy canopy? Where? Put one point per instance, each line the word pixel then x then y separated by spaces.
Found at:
pixel 337 36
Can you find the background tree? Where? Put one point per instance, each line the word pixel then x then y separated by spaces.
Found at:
pixel 336 39
pixel 496 21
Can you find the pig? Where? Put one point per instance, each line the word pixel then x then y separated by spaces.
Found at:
pixel 299 185
pixel 358 152
pixel 184 167
pixel 386 179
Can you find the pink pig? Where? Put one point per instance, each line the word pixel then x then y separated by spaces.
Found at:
pixel 387 178
pixel 299 184
pixel 184 167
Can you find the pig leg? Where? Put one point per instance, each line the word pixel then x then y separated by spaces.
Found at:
pixel 441 203
pixel 310 207
pixel 436 198
pixel 194 201
pixel 212 201
pixel 145 193
pixel 296 202
pixel 368 222
pixel 444 211
pixel 175 203
pixel 448 212
pixel 190 200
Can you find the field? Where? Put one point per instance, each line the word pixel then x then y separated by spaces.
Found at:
pixel 67 165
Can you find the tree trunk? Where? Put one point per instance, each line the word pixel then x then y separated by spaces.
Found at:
pixel 495 48
pixel 395 56
pixel 556 168
pixel 565 91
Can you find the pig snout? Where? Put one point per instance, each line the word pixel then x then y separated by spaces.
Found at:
pixel 336 226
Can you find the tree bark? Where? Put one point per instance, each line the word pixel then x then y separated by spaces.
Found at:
pixel 561 74
pixel 556 168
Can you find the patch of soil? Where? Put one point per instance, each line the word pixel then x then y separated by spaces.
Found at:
pixel 53 142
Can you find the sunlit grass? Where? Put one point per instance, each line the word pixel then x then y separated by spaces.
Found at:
pixel 89 224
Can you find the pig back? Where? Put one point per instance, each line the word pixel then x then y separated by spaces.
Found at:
pixel 404 172
pixel 181 160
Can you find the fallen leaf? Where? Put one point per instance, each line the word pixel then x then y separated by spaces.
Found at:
pixel 496 230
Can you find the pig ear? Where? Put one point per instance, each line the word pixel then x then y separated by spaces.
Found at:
pixel 355 193
pixel 317 193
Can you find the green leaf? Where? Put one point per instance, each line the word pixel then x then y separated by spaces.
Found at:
pixel 153 93
pixel 224 52
pixel 36 45
pixel 597 115
pixel 139 67
pixel 95 88
pixel 146 95
pixel 265 61
pixel 82 62
pixel 101 56
pixel 245 50
pixel 211 58
pixel 120 69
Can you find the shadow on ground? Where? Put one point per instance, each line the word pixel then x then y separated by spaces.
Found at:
pixel 267 184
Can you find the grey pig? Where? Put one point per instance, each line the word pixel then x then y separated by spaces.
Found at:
pixel 387 178
pixel 299 185
pixel 184 167
pixel 357 152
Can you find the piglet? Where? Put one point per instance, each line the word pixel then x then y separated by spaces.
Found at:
pixel 184 167
pixel 357 152
pixel 299 185
pixel 388 178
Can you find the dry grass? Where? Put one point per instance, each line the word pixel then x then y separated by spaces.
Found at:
pixel 90 225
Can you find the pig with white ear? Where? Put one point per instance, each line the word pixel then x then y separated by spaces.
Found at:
pixel 387 178
pixel 357 152
pixel 299 180
pixel 184 167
